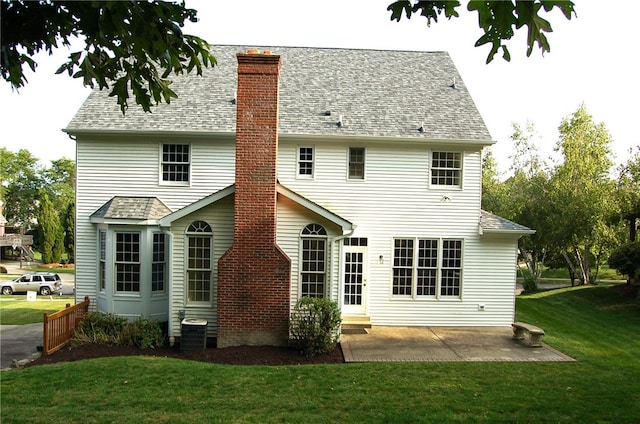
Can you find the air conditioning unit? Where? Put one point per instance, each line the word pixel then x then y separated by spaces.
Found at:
pixel 194 335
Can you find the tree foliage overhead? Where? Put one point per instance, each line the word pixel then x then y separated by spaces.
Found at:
pixel 498 19
pixel 133 46
pixel 129 45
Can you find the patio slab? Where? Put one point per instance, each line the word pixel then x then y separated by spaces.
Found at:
pixel 443 344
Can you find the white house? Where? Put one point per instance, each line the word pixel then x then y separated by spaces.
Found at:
pixel 348 174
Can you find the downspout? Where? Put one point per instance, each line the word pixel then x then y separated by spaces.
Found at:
pixel 332 242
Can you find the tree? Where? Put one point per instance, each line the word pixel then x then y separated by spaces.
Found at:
pixel 493 190
pixel 626 260
pixel 580 194
pixel 527 201
pixel 50 231
pixel 19 184
pixel 129 45
pixel 135 45
pixel 628 192
pixel 498 19
pixel 69 226
pixel 60 182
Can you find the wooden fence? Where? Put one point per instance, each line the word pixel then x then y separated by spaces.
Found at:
pixel 59 326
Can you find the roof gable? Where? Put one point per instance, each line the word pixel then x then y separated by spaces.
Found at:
pixel 378 93
pixel 282 190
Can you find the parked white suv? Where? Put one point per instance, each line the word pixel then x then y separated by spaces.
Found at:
pixel 44 283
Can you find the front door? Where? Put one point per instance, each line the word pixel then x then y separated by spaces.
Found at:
pixel 354 280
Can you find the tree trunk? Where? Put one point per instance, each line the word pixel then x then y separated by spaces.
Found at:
pixel 583 262
pixel 572 268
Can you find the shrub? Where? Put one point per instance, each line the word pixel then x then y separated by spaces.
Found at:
pixel 626 260
pixel 144 333
pixel 529 283
pixel 315 325
pixel 97 327
pixel 102 328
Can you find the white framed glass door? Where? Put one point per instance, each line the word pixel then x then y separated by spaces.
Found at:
pixel 354 280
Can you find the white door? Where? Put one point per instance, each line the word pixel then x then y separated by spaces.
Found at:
pixel 354 280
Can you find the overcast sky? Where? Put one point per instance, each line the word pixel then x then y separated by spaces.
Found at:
pixel 593 60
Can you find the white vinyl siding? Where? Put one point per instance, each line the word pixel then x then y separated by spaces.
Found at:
pixel 396 200
pixel 220 217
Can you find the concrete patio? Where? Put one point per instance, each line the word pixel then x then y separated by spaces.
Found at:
pixel 443 344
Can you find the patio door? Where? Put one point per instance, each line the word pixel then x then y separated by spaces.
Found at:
pixel 354 280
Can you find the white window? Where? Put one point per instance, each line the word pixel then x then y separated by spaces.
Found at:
pixel 446 169
pixel 356 163
pixel 127 263
pixel 159 264
pixel 427 267
pixel 199 262
pixel 313 262
pixel 102 263
pixel 176 163
pixel 305 162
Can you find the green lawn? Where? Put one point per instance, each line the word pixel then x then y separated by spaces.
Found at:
pixel 15 310
pixel 595 325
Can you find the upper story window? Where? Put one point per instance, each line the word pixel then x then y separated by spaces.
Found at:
pixel 127 263
pixel 305 162
pixel 356 163
pixel 446 169
pixel 427 267
pixel 176 163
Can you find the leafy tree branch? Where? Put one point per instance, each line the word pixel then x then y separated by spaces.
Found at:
pixel 128 45
pixel 498 19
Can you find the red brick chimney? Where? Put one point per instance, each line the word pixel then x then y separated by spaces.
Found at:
pixel 254 274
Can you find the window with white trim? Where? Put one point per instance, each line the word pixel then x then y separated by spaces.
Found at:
pixel 199 262
pixel 356 163
pixel 313 262
pixel 427 267
pixel 127 262
pixel 158 263
pixel 305 162
pixel 176 163
pixel 446 169
pixel 102 262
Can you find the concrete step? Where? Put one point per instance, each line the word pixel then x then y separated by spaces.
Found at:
pixel 355 324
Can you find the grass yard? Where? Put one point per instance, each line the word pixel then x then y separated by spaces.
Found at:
pixel 15 310
pixel 595 325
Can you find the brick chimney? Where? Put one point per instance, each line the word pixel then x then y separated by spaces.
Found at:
pixel 254 274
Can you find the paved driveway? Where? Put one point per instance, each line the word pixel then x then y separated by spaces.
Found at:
pixel 443 344
pixel 18 342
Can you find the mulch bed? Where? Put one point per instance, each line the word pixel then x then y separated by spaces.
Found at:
pixel 240 355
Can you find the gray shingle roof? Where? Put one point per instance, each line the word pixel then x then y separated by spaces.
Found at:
pixel 378 93
pixel 490 223
pixel 132 208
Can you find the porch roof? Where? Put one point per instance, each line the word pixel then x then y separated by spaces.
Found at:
pixel 130 210
pixel 494 224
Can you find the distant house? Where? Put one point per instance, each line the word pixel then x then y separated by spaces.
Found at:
pixel 353 175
